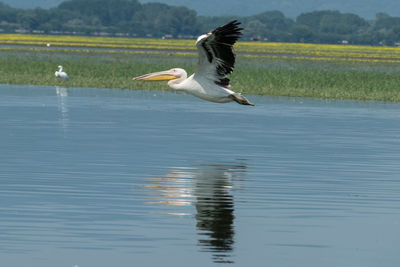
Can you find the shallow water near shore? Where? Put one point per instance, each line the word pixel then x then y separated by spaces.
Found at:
pixel 109 177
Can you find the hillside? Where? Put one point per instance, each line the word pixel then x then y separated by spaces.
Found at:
pixel 291 8
pixel 132 18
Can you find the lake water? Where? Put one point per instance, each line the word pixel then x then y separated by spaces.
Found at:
pixel 100 177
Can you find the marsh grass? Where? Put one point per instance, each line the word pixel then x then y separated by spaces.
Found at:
pixel 253 75
pixel 84 70
pixel 372 81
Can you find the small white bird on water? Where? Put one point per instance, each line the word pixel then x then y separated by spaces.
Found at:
pixel 216 61
pixel 61 74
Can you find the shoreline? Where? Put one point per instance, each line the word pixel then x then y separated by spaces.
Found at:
pixel 277 75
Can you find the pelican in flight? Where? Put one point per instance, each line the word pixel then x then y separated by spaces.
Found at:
pixel 61 74
pixel 216 60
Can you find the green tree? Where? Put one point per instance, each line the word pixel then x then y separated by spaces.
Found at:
pixel 302 34
pixel 108 12
pixel 7 13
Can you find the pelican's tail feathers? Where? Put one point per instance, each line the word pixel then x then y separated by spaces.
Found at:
pixel 239 98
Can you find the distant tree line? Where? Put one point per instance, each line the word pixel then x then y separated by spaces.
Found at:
pixel 131 18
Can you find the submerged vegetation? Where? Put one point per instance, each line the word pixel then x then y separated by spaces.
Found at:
pixel 331 71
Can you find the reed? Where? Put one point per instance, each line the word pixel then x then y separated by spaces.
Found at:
pixel 324 80
pixel 299 74
pixel 84 69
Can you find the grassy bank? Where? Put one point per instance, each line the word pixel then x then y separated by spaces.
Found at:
pixel 332 74
pixel 321 80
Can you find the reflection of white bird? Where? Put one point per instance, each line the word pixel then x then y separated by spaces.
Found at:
pixel 61 74
pixel 216 60
pixel 62 95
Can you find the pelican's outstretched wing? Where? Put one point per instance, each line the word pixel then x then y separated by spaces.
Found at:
pixel 216 55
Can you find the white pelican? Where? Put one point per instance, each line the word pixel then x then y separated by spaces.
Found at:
pixel 216 60
pixel 61 74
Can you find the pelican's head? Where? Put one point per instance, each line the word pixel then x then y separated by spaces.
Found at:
pixel 172 74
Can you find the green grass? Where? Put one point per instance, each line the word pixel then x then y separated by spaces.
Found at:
pixel 325 83
pixel 84 70
pixel 261 76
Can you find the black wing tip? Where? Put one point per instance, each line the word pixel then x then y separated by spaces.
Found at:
pixel 234 22
pixel 228 33
pixel 231 27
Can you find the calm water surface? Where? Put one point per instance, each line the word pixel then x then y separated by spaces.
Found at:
pixel 99 177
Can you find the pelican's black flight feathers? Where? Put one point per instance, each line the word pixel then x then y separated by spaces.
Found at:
pixel 217 46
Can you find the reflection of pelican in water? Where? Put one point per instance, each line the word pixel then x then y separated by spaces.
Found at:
pixel 208 187
pixel 62 94
pixel 215 207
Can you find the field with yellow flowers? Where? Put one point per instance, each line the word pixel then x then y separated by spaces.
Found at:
pixel 289 69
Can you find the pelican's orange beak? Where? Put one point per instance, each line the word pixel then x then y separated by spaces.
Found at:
pixel 157 76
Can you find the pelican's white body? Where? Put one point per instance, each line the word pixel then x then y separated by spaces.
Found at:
pixel 61 74
pixel 201 87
